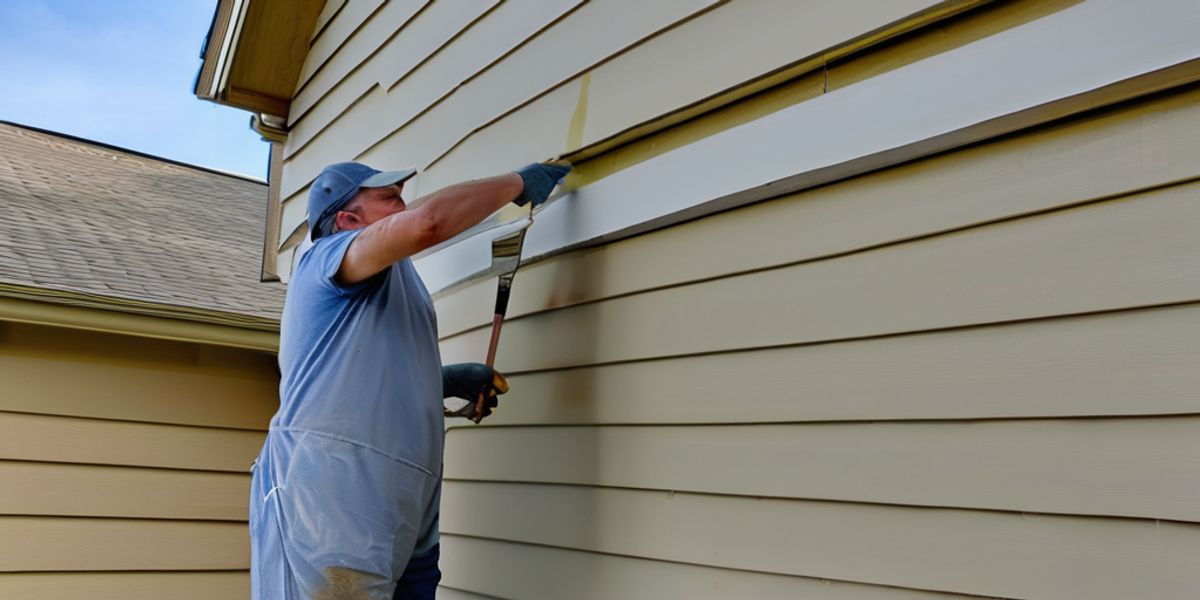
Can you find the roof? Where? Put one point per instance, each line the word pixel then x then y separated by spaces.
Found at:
pixel 129 229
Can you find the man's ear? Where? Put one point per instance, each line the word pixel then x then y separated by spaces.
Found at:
pixel 347 220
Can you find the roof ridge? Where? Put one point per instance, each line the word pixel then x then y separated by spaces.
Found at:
pixel 133 153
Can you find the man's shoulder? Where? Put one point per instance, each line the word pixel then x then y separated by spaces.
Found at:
pixel 318 255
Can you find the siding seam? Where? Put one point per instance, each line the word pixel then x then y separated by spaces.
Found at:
pixel 706 566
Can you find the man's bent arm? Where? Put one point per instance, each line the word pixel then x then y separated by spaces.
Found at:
pixel 439 217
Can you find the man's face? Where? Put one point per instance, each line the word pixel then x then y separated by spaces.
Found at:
pixel 372 204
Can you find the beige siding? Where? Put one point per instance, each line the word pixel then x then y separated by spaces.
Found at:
pixel 1004 554
pixel 1147 468
pixel 482 564
pixel 1044 368
pixel 1106 155
pixel 125 464
pixel 1132 251
pixel 972 374
pixel 334 29
pixel 78 373
pixel 50 489
pixel 438 90
pixel 126 586
pixel 70 544
pixel 927 379
pixel 103 442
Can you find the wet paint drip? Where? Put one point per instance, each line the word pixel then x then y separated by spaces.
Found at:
pixel 579 117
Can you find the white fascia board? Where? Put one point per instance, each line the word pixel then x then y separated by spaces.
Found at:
pixel 220 80
pixel 1063 63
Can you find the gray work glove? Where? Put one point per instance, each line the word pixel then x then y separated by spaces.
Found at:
pixel 475 383
pixel 540 179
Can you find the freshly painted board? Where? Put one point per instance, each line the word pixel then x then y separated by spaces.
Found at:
pixel 350 16
pixel 412 91
pixel 69 544
pixel 488 565
pixel 101 442
pixel 179 585
pixel 522 75
pixel 48 489
pixel 1143 467
pixel 337 56
pixel 894 117
pixel 1123 150
pixel 1129 252
pixel 674 70
pixel 1139 362
pixel 963 551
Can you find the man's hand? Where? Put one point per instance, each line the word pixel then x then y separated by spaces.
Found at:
pixel 469 381
pixel 540 179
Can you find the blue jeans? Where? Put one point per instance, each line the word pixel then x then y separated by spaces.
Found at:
pixel 420 578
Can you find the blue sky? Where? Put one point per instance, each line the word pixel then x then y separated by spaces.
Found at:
pixel 121 72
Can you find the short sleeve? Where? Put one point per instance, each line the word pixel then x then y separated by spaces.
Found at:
pixel 324 259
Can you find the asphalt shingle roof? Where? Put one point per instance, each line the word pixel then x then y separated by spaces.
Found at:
pixel 83 217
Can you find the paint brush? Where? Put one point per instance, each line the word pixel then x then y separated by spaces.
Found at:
pixel 506 257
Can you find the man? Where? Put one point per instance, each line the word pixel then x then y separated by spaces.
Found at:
pixel 345 493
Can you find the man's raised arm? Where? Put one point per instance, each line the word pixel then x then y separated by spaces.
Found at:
pixel 392 232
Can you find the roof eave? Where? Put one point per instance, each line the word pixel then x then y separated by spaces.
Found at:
pixel 250 55
pixel 79 310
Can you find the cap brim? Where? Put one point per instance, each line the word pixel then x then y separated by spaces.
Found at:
pixel 387 178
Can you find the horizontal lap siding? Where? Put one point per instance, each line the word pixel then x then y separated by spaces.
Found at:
pixel 524 74
pixel 335 33
pixel 965 551
pixel 49 489
pixel 126 586
pixel 122 457
pixel 1047 368
pixel 669 71
pixel 890 381
pixel 77 373
pixel 1140 250
pixel 483 564
pixel 69 544
pixel 95 441
pixel 526 86
pixel 1148 468
pixel 1148 144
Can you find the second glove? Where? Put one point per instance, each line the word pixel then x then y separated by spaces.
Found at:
pixel 469 382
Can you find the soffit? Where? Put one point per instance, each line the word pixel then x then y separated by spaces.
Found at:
pixel 255 52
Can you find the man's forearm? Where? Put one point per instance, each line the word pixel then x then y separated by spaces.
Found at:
pixel 456 208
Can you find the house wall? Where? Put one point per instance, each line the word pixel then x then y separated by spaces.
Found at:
pixel 439 85
pixel 973 374
pixel 126 463
pixel 968 374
